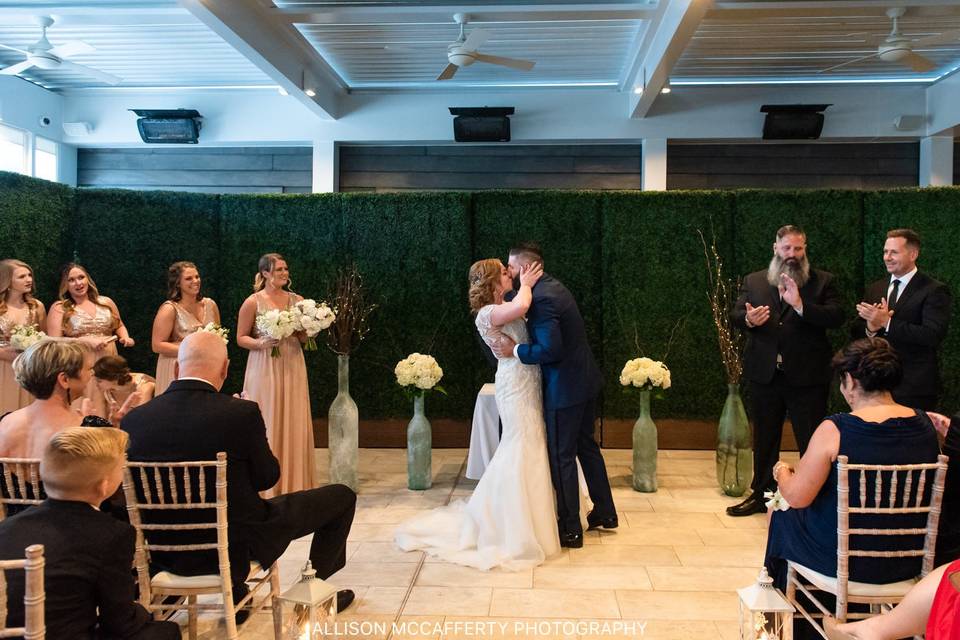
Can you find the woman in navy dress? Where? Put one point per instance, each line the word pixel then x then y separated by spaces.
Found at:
pixel 876 431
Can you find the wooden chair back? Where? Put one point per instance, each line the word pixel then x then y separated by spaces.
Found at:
pixel 19 483
pixel 33 595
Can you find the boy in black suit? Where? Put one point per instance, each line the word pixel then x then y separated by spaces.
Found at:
pixel 89 586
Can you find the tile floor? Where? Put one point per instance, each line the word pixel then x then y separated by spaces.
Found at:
pixel 669 572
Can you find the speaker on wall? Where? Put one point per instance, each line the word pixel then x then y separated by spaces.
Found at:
pixel 481 124
pixel 169 126
pixel 793 121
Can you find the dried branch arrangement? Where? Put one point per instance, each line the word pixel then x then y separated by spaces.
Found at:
pixel 722 292
pixel 352 310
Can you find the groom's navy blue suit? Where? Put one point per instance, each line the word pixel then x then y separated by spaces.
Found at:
pixel 571 383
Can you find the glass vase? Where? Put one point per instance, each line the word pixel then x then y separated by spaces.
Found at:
pixel 734 447
pixel 419 446
pixel 343 426
pixel 645 448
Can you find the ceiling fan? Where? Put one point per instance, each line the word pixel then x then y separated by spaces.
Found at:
pixel 44 55
pixel 899 48
pixel 463 52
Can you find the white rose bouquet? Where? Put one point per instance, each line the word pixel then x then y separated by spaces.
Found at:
pixel 313 318
pixel 278 324
pixel 212 327
pixel 24 336
pixel 645 374
pixel 419 373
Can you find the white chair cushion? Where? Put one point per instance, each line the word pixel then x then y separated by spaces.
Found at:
pixel 167 580
pixel 864 589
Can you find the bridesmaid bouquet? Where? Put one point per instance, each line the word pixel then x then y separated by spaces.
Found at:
pixel 645 374
pixel 277 324
pixel 775 501
pixel 212 327
pixel 313 319
pixel 24 336
pixel 419 373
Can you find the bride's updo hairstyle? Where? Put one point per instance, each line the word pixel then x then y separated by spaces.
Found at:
pixel 872 362
pixel 484 277
pixel 266 263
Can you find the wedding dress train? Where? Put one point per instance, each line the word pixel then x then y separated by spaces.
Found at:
pixel 510 521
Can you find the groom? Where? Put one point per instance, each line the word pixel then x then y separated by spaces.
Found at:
pixel 571 383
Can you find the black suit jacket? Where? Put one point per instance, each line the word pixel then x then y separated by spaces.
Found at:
pixel 948 536
pixel 918 326
pixel 801 341
pixel 192 421
pixel 88 557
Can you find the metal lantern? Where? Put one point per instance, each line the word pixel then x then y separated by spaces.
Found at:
pixel 764 613
pixel 314 604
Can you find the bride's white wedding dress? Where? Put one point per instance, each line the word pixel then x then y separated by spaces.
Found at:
pixel 510 521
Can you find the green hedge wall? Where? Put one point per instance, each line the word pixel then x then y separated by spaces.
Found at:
pixel 632 259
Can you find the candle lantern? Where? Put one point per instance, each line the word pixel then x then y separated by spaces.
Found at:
pixel 314 604
pixel 764 613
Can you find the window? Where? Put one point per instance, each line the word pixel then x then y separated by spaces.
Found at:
pixel 13 150
pixel 45 159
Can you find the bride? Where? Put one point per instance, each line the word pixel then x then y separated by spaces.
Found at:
pixel 510 520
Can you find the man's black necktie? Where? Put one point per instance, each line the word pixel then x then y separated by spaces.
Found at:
pixel 892 301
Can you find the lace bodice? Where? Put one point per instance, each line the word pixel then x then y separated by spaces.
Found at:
pixel 187 323
pixel 516 330
pixel 82 324
pixel 7 323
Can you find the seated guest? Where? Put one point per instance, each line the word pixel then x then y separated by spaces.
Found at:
pixel 55 372
pixel 931 607
pixel 88 554
pixel 192 421
pixel 876 431
pixel 119 389
pixel 948 534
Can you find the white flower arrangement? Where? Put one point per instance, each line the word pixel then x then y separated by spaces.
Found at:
pixel 419 373
pixel 277 324
pixel 24 336
pixel 775 501
pixel 645 374
pixel 313 319
pixel 213 327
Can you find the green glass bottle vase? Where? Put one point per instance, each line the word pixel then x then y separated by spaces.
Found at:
pixel 734 446
pixel 419 447
pixel 645 448
pixel 343 426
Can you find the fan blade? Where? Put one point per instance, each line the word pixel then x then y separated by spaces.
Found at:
pixel 947 37
pixel 918 63
pixel 102 76
pixel 848 62
pixel 448 72
pixel 522 65
pixel 476 39
pixel 72 48
pixel 13 70
pixel 23 51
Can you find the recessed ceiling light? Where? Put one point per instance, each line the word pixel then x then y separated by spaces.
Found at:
pixel 282 91
pixel 665 90
pixel 310 92
pixel 638 90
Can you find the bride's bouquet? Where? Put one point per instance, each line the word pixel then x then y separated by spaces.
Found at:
pixel 24 336
pixel 313 318
pixel 419 373
pixel 277 324
pixel 645 374
pixel 212 327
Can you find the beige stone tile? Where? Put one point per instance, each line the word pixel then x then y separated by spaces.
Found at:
pixel 677 605
pixel 373 500
pixel 469 628
pixel 672 520
pixel 633 503
pixel 656 630
pixel 749 538
pixel 701 578
pixel 624 555
pixel 376 574
pixel 384 552
pixel 687 454
pixel 669 481
pixel 387 515
pixel 418 628
pixel 728 630
pixel 432 601
pixel 442 574
pixel 357 626
pixel 713 505
pixel 371 532
pixel 554 603
pixel 589 577
pixel 646 536
pixel 716 556
pixel 379 601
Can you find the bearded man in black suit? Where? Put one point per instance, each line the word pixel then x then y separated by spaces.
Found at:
pixel 911 310
pixel 785 311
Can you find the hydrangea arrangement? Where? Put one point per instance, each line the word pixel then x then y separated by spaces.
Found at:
pixel 313 319
pixel 419 373
pixel 24 336
pixel 645 374
pixel 277 324
pixel 213 327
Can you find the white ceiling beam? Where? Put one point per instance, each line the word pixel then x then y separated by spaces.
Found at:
pixel 274 47
pixel 418 13
pixel 837 8
pixel 670 37
pixel 174 16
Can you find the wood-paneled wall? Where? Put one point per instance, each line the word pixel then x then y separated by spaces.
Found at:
pixel 202 169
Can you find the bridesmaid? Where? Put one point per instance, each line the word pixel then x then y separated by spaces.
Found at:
pixel 17 307
pixel 185 311
pixel 120 390
pixel 83 314
pixel 278 385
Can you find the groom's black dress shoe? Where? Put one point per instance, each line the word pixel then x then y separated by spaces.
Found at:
pixel 571 540
pixel 344 599
pixel 753 504
pixel 594 522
